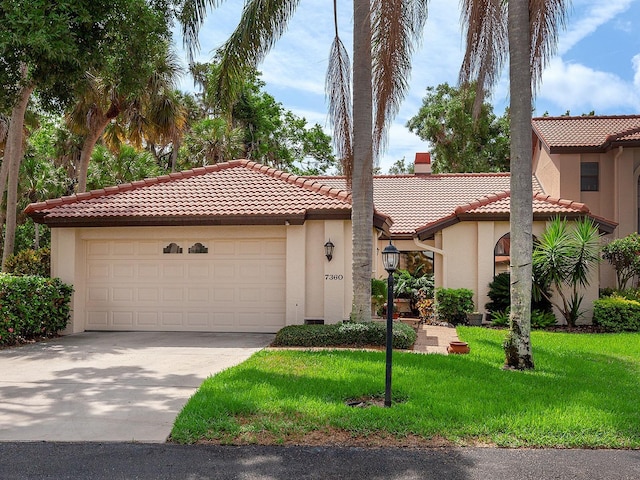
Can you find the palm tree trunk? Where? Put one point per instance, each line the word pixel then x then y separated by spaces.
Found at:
pixel 13 157
pixel 88 146
pixel 362 172
pixel 518 345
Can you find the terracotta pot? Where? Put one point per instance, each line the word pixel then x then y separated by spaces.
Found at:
pixel 458 347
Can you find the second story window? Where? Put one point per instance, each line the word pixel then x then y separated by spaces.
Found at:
pixel 589 176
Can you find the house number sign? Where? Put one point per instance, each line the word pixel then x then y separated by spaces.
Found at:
pixel 334 277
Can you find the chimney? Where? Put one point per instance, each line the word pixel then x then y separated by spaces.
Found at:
pixel 422 165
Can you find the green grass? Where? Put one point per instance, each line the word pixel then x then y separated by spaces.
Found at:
pixel 583 393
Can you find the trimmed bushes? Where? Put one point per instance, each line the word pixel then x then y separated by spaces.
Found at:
pixel 616 314
pixel 453 304
pixel 351 334
pixel 30 262
pixel 32 307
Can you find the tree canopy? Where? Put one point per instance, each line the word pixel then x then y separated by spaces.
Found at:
pixel 460 142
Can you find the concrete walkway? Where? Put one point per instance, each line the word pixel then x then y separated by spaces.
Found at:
pixel 434 339
pixel 110 386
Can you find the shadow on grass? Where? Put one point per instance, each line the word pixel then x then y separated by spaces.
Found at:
pixel 571 399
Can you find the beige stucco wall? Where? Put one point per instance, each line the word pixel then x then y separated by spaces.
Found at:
pixel 467 261
pixel 315 287
pixel 616 199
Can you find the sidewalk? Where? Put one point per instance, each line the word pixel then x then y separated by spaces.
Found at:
pixel 434 339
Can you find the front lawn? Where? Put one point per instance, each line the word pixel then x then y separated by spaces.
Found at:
pixel 583 393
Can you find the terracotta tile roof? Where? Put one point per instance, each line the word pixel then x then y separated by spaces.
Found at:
pixel 496 206
pixel 415 200
pixel 241 192
pixel 235 192
pixel 587 134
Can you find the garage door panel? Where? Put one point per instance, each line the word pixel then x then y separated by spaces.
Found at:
pixel 98 271
pixel 123 271
pixel 221 295
pixel 222 247
pixel 123 248
pixel 172 271
pixel 148 319
pixel 172 319
pixel 97 295
pixel 198 271
pixel 173 294
pixel 97 319
pixel 148 271
pixel 148 294
pixel 198 319
pixel 198 295
pixel 123 319
pixel 123 294
pixel 239 285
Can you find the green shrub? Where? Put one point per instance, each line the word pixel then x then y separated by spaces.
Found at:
pixel 616 314
pixel 540 319
pixel 352 334
pixel 453 304
pixel 30 262
pixel 500 318
pixel 627 293
pixel 31 307
pixel 500 295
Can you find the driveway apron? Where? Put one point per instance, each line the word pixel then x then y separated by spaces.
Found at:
pixel 110 386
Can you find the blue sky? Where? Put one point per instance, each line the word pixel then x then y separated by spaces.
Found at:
pixel 597 66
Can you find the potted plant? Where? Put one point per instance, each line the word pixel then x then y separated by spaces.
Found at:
pixel 474 318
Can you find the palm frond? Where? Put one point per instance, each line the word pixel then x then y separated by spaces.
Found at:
pixel 338 88
pixel 262 24
pixel 546 17
pixel 485 24
pixel 396 30
pixel 191 14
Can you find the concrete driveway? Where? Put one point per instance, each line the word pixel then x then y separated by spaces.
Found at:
pixel 108 386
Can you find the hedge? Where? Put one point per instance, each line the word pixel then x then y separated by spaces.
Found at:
pixel 32 307
pixel 616 314
pixel 351 334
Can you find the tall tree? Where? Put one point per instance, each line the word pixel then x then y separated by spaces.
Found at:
pixel 45 46
pixel 385 34
pixel 139 67
pixel 526 33
pixel 460 142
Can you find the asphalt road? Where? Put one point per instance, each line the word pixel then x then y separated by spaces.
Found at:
pixel 114 461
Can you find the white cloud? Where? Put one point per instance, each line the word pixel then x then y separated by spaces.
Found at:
pixel 594 13
pixel 635 61
pixel 575 87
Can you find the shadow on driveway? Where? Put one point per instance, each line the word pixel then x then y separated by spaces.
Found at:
pixel 110 386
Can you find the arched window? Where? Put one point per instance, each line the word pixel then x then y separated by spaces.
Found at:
pixel 172 248
pixel 502 254
pixel 198 248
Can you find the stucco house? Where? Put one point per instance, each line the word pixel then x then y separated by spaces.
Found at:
pixel 240 247
pixel 594 160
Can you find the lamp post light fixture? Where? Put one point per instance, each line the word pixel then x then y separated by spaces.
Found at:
pixel 328 249
pixel 390 260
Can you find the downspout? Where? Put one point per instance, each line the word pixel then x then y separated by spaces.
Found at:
pixel 440 252
pixel 616 185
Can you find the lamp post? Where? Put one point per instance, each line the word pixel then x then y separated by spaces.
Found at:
pixel 390 259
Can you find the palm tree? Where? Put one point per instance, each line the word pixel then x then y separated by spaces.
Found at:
pixel 527 32
pixel 10 170
pixel 102 100
pixel 385 34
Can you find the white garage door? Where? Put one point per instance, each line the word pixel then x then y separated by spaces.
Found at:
pixel 192 284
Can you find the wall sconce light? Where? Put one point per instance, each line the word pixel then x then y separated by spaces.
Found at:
pixel 328 249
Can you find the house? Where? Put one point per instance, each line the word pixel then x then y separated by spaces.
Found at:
pixel 241 247
pixel 594 160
